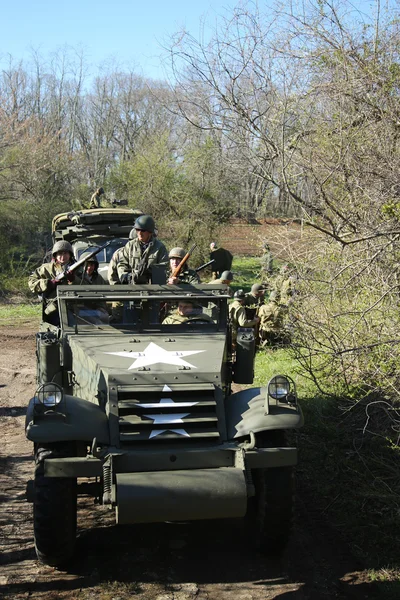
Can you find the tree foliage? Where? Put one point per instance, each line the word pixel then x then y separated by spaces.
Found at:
pixel 306 97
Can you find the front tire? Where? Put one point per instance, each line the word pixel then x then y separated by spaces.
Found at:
pixel 270 512
pixel 54 510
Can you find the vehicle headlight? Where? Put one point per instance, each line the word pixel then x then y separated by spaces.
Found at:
pixel 49 394
pixel 279 387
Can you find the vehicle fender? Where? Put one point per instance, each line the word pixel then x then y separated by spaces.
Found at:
pixel 246 411
pixel 74 420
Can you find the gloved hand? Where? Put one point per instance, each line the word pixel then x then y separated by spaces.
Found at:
pixel 70 277
pixel 126 278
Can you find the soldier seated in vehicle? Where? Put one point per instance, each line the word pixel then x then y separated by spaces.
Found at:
pixel 43 280
pixel 186 275
pixel 188 311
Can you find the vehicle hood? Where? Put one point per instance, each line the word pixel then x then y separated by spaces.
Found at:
pixel 144 361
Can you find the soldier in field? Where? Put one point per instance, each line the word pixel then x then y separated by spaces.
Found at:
pixel 222 260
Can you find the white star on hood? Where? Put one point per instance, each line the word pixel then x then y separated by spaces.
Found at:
pixel 154 354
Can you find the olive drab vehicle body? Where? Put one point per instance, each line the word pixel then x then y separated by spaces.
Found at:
pixel 142 416
pixel 88 229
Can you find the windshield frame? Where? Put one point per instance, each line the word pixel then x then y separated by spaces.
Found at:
pixel 144 297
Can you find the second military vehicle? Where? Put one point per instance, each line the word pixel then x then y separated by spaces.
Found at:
pixel 135 406
pixel 89 229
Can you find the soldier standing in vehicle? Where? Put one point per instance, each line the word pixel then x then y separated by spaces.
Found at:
pixel 222 260
pixel 186 275
pixel 141 253
pixel 237 314
pixel 95 200
pixel 43 280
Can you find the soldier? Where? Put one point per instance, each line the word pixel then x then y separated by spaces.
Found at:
pixel 139 254
pixel 92 274
pixel 95 201
pixel 186 275
pixel 188 310
pixel 222 260
pixel 266 261
pixel 237 315
pixel 272 321
pixel 256 296
pixel 43 280
pixel 284 284
pixel 253 300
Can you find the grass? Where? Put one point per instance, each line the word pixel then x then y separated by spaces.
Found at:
pixel 18 314
pixel 246 271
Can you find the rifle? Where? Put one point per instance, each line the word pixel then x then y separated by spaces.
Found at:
pixel 178 269
pixel 210 262
pixel 79 263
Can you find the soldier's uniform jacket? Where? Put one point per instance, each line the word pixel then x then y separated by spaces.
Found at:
pixel 38 282
pixel 237 314
pixel 132 253
pixel 178 319
pixel 95 279
pixel 112 272
pixel 272 316
pixel 252 304
pixel 253 301
pixel 188 276
pixel 95 201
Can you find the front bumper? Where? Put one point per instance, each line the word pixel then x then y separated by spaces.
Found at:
pixel 148 460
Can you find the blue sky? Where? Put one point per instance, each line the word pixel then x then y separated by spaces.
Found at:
pixel 128 30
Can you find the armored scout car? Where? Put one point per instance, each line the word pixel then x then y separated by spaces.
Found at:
pixel 140 414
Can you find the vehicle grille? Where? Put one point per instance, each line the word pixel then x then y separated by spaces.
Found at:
pixel 186 416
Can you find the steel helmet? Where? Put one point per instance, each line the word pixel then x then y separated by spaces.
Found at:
pixel 62 246
pixel 177 253
pixel 227 276
pixel 257 287
pixel 93 259
pixel 239 294
pixel 145 223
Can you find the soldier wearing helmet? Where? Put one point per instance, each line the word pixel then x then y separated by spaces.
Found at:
pixel 43 280
pixel 188 310
pixel 186 275
pixel 255 298
pixel 226 279
pixel 92 274
pixel 141 253
pixel 237 314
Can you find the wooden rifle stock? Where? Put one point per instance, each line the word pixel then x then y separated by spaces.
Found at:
pixel 184 260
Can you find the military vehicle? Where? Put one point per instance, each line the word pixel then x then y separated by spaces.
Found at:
pixel 143 415
pixel 88 229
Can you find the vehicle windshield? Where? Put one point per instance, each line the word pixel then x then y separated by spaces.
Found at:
pixel 142 314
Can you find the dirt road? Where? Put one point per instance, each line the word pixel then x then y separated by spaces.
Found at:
pixel 206 561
